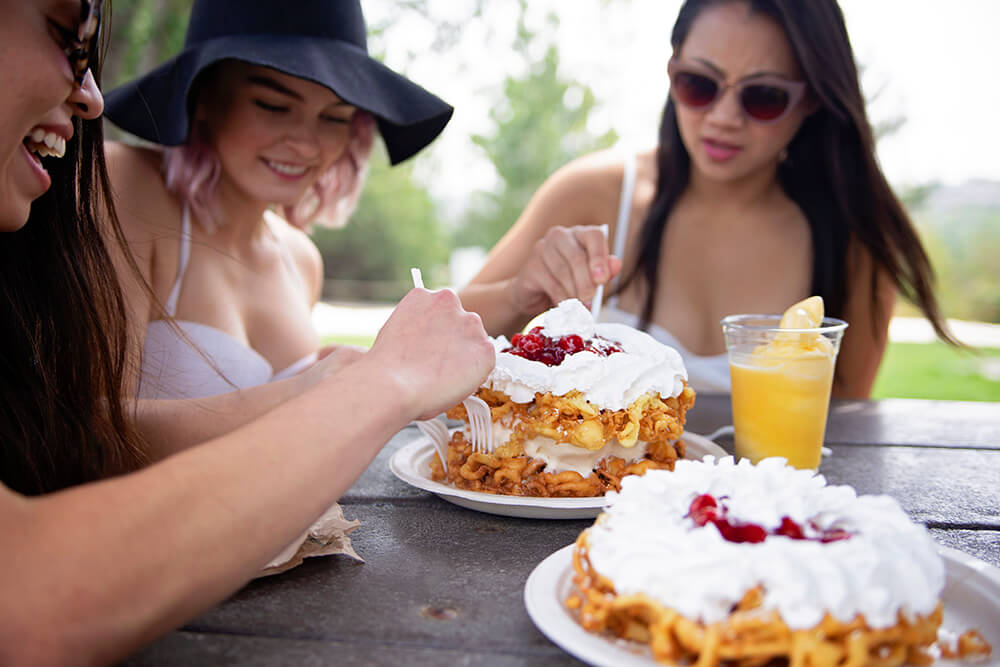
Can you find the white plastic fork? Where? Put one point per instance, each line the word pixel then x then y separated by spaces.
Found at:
pixel 595 304
pixel 480 424
pixel 437 433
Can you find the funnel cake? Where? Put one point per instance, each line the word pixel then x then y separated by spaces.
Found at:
pixel 735 564
pixel 575 406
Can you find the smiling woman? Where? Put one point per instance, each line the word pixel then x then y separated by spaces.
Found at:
pixel 43 115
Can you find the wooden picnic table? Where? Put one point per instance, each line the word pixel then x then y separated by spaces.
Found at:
pixel 444 585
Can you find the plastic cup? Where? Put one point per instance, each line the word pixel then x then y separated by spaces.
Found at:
pixel 781 381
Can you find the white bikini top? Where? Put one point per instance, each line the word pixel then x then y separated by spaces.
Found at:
pixel 708 374
pixel 210 361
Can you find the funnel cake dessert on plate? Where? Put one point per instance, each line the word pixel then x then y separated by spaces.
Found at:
pixel 575 406
pixel 739 565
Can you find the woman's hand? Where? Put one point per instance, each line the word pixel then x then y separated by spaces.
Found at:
pixel 437 352
pixel 568 262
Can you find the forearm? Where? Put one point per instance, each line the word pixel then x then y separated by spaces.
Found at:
pixel 493 304
pixel 188 531
pixel 170 426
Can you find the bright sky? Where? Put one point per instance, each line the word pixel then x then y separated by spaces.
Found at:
pixel 933 62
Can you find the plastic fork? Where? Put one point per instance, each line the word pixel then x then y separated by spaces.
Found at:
pixel 595 304
pixel 437 433
pixel 480 424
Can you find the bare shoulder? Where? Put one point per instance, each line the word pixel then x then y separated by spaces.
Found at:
pixel 143 203
pixel 596 175
pixel 128 163
pixel 586 190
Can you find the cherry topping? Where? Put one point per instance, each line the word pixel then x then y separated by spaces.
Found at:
pixel 791 529
pixel 571 343
pixel 741 532
pixel 536 346
pixel 705 509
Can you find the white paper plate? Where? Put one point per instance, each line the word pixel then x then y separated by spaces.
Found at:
pixel 412 465
pixel 971 600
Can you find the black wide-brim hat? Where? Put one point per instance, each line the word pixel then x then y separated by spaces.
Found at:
pixel 323 41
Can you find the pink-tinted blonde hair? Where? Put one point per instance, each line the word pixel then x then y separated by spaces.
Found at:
pixel 191 172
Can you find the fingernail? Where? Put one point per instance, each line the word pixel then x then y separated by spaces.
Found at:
pixel 598 272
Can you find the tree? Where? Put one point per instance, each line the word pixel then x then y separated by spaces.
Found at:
pixel 394 228
pixel 143 33
pixel 540 124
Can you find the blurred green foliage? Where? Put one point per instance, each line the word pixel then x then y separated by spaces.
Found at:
pixel 539 124
pixel 394 228
pixel 143 34
pixel 960 229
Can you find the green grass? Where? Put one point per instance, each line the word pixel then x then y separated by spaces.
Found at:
pixel 909 370
pixel 938 371
pixel 363 341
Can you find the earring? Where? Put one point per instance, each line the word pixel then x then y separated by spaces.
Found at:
pixel 783 155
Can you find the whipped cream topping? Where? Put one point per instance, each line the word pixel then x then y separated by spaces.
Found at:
pixel 611 383
pixel 562 456
pixel 644 542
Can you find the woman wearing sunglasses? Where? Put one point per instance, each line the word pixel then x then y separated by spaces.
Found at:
pixel 100 556
pixel 763 190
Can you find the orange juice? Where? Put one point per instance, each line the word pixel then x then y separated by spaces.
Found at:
pixel 781 370
pixel 780 406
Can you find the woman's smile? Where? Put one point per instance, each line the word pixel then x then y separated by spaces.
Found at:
pixel 292 171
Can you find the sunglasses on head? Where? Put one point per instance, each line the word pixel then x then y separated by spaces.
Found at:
pixel 764 99
pixel 80 47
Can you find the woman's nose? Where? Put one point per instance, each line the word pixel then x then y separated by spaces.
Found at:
pixel 86 99
pixel 304 139
pixel 727 110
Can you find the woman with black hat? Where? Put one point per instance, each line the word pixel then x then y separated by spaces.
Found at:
pixel 99 558
pixel 263 124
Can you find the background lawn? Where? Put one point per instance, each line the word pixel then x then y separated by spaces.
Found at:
pixel 344 339
pixel 909 370
pixel 937 370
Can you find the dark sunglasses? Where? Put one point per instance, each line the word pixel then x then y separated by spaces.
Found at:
pixel 80 47
pixel 764 99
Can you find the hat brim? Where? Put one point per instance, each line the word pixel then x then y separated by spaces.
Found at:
pixel 156 107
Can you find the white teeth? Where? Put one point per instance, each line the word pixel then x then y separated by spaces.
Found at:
pixel 287 169
pixel 46 144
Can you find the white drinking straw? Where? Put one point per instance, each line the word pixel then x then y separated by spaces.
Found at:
pixel 418 280
pixel 595 305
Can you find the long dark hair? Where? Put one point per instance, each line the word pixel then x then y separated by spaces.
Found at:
pixel 831 171
pixel 63 331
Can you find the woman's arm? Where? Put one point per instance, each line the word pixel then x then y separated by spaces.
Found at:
pixel 555 250
pixel 864 341
pixel 91 573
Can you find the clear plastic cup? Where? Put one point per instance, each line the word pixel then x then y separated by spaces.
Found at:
pixel 781 382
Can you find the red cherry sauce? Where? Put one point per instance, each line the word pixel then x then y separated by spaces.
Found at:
pixel 706 509
pixel 536 346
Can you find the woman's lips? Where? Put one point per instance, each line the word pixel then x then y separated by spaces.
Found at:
pixel 37 169
pixel 286 170
pixel 719 151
